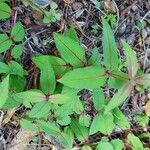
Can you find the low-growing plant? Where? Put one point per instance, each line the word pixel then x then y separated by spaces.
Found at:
pixel 111 18
pixel 55 107
pixel 50 16
pixel 95 28
pixel 5 10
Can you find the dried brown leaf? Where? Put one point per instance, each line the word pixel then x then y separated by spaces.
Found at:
pixel 9 115
pixel 21 140
pixel 147 108
pixel 109 6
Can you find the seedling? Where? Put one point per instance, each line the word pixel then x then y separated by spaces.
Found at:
pixel 50 16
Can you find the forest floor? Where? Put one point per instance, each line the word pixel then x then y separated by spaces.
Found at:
pixel 129 19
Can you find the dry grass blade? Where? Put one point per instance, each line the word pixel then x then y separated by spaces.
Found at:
pixel 9 115
pixel 147 107
pixel 22 140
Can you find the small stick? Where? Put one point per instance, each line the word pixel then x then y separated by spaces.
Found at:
pixel 145 16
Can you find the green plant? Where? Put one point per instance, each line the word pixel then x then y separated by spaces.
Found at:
pixel 55 107
pixel 13 41
pixel 95 28
pixel 5 11
pixel 111 18
pixel 97 3
pixel 50 16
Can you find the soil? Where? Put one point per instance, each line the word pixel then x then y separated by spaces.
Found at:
pixel 132 24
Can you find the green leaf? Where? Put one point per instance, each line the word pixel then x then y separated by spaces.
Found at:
pixel 47 80
pixel 30 96
pixel 104 146
pixel 143 80
pixel 89 77
pixel 81 132
pixel 51 16
pixel 144 135
pixel 49 128
pixel 4 91
pixel 109 47
pixel 95 125
pixel 119 97
pixel 52 130
pixel 28 125
pixel 66 140
pixel 74 105
pixel 5 11
pixel 47 77
pixel 103 123
pixel 70 50
pixel 17 32
pixel 53 5
pixel 71 33
pixel 70 91
pixel 69 138
pixel 40 110
pixel 95 58
pixel 120 119
pixel 16 69
pixel 135 141
pixel 17 51
pixel 106 123
pixel 64 121
pixel 85 120
pixel 117 79
pixel 10 103
pixel 98 99
pixel 117 144
pixel 17 83
pixel 77 106
pixel 4 68
pixel 5 42
pixel 142 119
pixel 64 110
pixel 59 98
pixel 131 59
pixel 57 63
pixel 86 147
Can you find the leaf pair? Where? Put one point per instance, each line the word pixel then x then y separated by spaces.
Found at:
pixel 105 122
pixel 132 66
pixel 58 65
pixel 34 96
pixel 66 137
pixel 89 77
pixel 115 144
pixel 52 15
pixel 17 35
